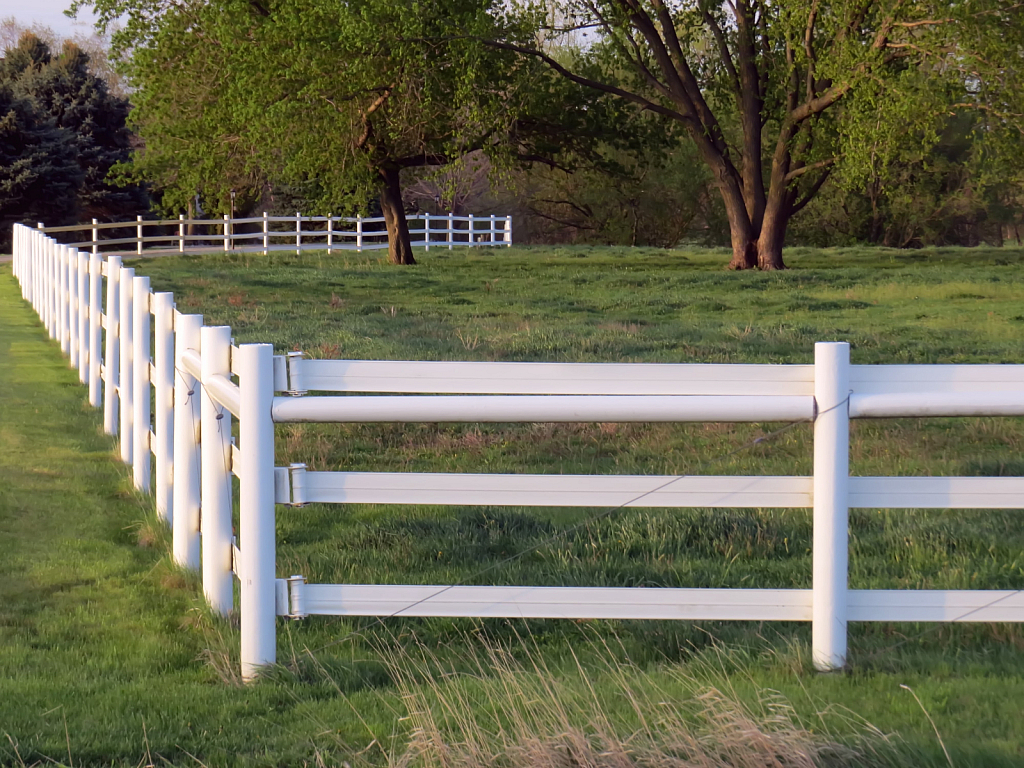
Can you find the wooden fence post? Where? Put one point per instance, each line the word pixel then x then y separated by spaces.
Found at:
pixel 95 237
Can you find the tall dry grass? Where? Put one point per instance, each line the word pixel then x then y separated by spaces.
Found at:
pixel 507 708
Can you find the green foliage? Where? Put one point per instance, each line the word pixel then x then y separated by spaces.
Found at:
pixel 651 196
pixel 64 133
pixel 779 97
pixel 312 94
pixel 39 175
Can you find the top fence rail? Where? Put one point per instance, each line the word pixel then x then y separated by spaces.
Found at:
pixel 258 233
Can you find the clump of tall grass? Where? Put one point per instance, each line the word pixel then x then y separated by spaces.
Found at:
pixel 506 708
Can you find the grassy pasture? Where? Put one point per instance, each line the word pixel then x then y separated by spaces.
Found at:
pixel 575 304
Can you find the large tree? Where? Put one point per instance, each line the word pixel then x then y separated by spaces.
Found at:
pixel 39 175
pixel 778 96
pixel 340 98
pixel 55 102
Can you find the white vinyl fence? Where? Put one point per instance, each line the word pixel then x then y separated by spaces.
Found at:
pixel 333 233
pixel 202 381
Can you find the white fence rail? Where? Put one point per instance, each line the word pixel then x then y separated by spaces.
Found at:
pixel 149 347
pixel 333 233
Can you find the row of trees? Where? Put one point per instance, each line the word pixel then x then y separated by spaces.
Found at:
pixel 612 120
pixel 61 132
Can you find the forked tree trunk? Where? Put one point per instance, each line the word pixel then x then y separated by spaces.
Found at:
pixel 756 247
pixel 399 242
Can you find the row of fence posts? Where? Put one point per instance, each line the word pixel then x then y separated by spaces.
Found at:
pixel 229 237
pixel 193 492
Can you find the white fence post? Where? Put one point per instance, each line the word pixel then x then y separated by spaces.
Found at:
pixel 72 307
pixel 426 230
pixel 125 387
pixel 266 233
pixel 359 233
pixel 95 308
pixel 494 231
pixel 256 508
pixel 142 416
pixel 186 483
pixel 82 295
pixel 831 504
pixel 298 233
pixel 227 237
pixel 112 354
pixel 63 326
pixel 330 234
pixel 95 236
pixel 471 239
pixel 508 231
pixel 215 449
pixel 163 399
pixel 51 287
pixel 181 233
pixel 138 247
pixel 451 230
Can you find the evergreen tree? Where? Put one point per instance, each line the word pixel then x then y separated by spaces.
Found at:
pixel 61 132
pixel 39 174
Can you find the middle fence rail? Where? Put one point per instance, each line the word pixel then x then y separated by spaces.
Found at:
pixel 200 380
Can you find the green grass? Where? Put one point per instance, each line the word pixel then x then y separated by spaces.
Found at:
pixel 104 634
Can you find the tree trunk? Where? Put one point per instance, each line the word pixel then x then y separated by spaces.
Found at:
pixel 757 247
pixel 399 242
pixel 741 231
pixel 772 236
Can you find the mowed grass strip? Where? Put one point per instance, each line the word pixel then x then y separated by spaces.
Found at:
pixel 344 684
pixel 102 644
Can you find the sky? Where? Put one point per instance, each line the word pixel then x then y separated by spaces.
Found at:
pixel 49 13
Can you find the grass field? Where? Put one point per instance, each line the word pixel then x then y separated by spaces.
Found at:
pixel 100 637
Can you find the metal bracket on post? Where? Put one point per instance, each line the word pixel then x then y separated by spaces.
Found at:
pixel 289 597
pixel 296 607
pixel 280 373
pixel 290 485
pixel 295 383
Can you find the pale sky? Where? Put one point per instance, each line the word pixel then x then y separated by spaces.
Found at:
pixel 49 13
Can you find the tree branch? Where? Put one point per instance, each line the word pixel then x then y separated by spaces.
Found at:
pixel 798 172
